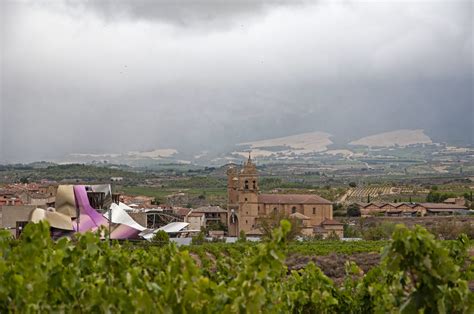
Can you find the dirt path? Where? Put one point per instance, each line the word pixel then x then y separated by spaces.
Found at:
pixel 343 198
pixel 333 265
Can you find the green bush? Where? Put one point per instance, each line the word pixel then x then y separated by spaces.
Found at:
pixel 242 236
pixel 417 274
pixel 199 239
pixel 161 238
pixel 332 236
pixel 351 232
pixel 381 231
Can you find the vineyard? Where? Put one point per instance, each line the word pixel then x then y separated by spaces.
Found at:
pixel 385 193
pixel 412 272
pixel 360 193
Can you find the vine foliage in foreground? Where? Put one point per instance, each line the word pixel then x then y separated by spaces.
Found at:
pixel 37 274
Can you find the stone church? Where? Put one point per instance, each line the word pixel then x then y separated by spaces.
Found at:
pixel 246 205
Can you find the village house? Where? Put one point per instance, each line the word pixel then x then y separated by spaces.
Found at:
pixel 48 189
pixel 330 226
pixel 15 218
pixel 181 212
pixel 196 221
pixel 455 201
pixel 8 197
pixel 37 199
pixel 213 214
pixel 443 209
pixel 139 201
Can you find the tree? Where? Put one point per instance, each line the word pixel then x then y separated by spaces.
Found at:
pixel 353 184
pixel 161 238
pixel 436 197
pixel 199 239
pixel 433 197
pixel 216 225
pixel 157 201
pixel 351 232
pixel 272 221
pixel 353 210
pixel 242 236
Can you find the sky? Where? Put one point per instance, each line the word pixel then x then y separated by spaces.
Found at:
pixel 116 76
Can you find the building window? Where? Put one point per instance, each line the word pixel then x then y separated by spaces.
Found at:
pixel 275 210
pixel 246 222
pixel 246 184
pixel 245 199
pixel 293 210
pixel 254 185
pixel 314 211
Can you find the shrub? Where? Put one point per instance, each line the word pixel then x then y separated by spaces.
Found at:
pixel 161 238
pixel 242 236
pixel 451 229
pixel 353 210
pixel 332 236
pixel 417 274
pixel 269 223
pixel 374 234
pixel 199 239
pixel 380 231
pixel 423 276
pixel 351 232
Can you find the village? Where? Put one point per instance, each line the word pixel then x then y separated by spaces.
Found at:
pixel 246 208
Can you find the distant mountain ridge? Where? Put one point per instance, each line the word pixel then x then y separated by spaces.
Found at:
pixel 299 144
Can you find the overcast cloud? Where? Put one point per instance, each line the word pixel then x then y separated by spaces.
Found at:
pixel 114 76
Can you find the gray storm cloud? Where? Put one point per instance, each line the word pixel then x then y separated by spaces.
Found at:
pixel 115 76
pixel 182 13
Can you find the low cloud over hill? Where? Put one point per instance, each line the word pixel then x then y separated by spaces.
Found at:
pixel 393 138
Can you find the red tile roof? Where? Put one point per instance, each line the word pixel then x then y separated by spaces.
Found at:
pixel 442 206
pixel 181 211
pixel 292 199
pixel 209 209
pixel 375 204
pixel 196 214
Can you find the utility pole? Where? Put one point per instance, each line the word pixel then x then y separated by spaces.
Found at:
pixel 78 213
pixel 110 218
pixel 110 226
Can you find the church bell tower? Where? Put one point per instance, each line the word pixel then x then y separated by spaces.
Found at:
pixel 242 194
pixel 248 196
